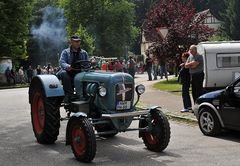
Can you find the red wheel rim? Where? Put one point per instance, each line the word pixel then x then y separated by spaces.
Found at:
pixel 79 140
pixel 38 113
pixel 152 138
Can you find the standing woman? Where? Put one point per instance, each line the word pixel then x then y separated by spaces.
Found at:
pixel 184 79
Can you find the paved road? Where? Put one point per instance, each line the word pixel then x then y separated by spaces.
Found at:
pixel 187 147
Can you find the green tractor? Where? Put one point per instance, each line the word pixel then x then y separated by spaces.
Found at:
pixel 104 106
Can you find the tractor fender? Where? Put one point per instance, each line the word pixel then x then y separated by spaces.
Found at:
pixel 74 116
pixel 154 107
pixel 50 85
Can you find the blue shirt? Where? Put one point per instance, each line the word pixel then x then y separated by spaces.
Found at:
pixel 66 58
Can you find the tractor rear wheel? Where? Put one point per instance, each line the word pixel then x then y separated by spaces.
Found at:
pixel 83 140
pixel 158 137
pixel 45 117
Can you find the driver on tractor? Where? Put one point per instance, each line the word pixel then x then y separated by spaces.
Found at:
pixel 68 57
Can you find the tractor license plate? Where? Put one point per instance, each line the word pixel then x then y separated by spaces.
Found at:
pixel 123 105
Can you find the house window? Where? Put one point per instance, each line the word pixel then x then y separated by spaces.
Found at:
pixel 228 60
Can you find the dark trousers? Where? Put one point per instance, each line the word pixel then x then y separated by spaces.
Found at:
pixel 197 85
pixel 67 81
pixel 185 95
pixel 132 72
pixel 149 72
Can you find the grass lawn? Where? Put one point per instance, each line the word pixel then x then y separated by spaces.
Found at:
pixel 171 85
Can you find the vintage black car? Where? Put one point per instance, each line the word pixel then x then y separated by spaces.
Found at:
pixel 219 110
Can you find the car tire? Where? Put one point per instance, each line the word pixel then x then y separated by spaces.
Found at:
pixel 208 122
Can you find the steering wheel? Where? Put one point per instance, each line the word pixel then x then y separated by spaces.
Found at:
pixel 81 65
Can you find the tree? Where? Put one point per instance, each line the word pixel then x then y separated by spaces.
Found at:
pixel 231 17
pixel 88 40
pixel 217 7
pixel 110 22
pixel 48 34
pixel 14 17
pixel 118 29
pixel 184 27
pixel 141 8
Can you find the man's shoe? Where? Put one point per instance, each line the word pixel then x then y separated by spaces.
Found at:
pixel 184 110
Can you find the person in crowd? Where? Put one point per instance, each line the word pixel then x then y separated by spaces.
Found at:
pixel 50 69
pixel 148 66
pixel 68 57
pixel 131 66
pixel 21 75
pixel 29 74
pixel 39 70
pixel 155 67
pixel 118 66
pixel 124 65
pixel 9 76
pixel 195 65
pixel 184 79
pixel 163 70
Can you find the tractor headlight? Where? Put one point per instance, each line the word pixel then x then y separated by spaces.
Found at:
pixel 140 89
pixel 102 91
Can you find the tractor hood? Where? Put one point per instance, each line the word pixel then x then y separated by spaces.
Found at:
pixel 104 77
pixel 112 82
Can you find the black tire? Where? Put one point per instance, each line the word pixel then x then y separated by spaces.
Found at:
pixel 158 138
pixel 45 117
pixel 208 122
pixel 102 128
pixel 82 130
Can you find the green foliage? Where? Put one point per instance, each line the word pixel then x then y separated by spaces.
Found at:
pixel 109 21
pixel 141 8
pixel 118 27
pixel 219 37
pixel 231 17
pixel 14 17
pixel 87 40
pixel 171 85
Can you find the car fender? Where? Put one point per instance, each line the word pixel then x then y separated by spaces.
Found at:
pixel 74 116
pixel 205 104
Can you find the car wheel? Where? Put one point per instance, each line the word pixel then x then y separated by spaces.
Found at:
pixel 208 122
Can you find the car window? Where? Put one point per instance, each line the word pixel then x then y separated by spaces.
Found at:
pixel 238 84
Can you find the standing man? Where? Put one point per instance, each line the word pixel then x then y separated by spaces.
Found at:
pixel 195 65
pixel 29 74
pixel 148 66
pixel 131 66
pixel 155 67
pixel 68 57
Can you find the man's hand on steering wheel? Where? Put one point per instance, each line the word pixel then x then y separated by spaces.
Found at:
pixel 69 68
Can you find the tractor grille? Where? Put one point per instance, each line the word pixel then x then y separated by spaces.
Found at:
pixel 124 92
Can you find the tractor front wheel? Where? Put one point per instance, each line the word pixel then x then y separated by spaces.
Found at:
pixel 83 141
pixel 158 136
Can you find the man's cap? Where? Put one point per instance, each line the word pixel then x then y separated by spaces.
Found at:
pixel 75 38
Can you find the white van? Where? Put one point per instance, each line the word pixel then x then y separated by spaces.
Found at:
pixel 221 63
